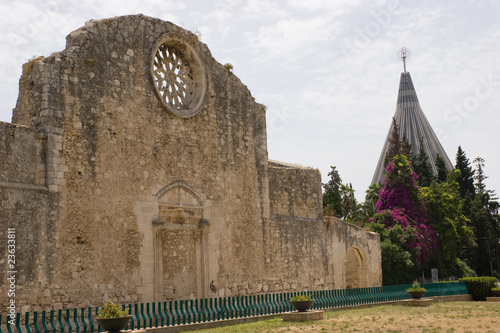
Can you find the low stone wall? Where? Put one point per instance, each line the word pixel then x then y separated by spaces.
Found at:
pixel 305 251
pixel 295 191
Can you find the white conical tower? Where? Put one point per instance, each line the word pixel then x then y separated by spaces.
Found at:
pixel 413 125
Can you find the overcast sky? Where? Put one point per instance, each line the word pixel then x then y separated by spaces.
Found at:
pixel 326 70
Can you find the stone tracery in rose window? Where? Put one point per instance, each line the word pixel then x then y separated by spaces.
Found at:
pixel 173 77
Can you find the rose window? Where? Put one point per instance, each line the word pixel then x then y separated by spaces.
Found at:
pixel 178 75
pixel 173 77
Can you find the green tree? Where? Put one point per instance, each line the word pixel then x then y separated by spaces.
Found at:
pixel 364 211
pixel 372 192
pixel 466 178
pixel 406 147
pixel 422 167
pixel 397 145
pixel 332 200
pixel 349 202
pixel 399 264
pixel 484 220
pixel 444 209
pixel 442 172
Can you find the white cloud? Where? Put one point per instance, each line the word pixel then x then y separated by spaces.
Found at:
pixel 288 40
pixel 262 9
pixel 333 8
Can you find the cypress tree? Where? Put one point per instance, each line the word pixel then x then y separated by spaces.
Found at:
pixel 397 145
pixel 422 167
pixel 466 178
pixel 442 172
pixel 332 199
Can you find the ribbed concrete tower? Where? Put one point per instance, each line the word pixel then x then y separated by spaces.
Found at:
pixel 412 124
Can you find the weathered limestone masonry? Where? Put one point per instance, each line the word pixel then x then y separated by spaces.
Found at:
pixel 135 169
pixel 307 252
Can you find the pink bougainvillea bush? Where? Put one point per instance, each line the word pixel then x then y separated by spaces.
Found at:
pixel 400 203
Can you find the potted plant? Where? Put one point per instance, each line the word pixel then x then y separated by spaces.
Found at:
pixel 301 303
pixel 112 318
pixel 416 291
pixel 496 290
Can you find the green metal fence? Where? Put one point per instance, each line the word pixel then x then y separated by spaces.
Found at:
pixel 170 313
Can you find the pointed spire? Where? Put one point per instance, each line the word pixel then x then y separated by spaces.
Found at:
pixel 403 54
pixel 413 125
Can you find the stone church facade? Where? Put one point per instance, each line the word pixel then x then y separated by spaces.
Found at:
pixel 136 169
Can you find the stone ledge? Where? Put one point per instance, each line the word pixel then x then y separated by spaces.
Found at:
pixel 417 302
pixel 23 186
pixel 492 299
pixel 303 316
pixel 205 325
pixel 453 298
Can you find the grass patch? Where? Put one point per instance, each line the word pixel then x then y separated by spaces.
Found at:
pixel 440 317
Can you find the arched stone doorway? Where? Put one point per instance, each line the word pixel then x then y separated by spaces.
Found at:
pixel 180 239
pixel 355 268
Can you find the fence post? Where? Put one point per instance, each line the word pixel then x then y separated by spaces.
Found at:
pixel 35 322
pixel 82 317
pixel 9 330
pixel 155 316
pixel 59 319
pixel 75 320
pixel 160 312
pixel 191 311
pixel 172 314
pixel 197 311
pixel 281 304
pixel 133 319
pixel 204 308
pixel 52 324
pixel 239 300
pixel 44 324
pixel 178 312
pixel 246 307
pixel 223 308
pixel 27 322
pixel 167 313
pixel 70 328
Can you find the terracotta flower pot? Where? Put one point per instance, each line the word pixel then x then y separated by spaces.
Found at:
pixel 114 324
pixel 302 306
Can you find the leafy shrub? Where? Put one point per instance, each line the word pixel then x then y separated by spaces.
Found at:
pixel 111 310
pixel 416 287
pixel 480 287
pixel 300 298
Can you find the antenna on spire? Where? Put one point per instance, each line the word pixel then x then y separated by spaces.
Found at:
pixel 403 54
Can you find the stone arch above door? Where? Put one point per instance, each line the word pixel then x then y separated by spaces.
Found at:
pixel 355 268
pixel 179 203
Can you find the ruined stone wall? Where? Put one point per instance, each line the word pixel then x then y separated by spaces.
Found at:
pixel 305 251
pixel 27 206
pixel 22 155
pixel 119 147
pixel 123 189
pixel 295 191
pixel 355 254
pixel 293 237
